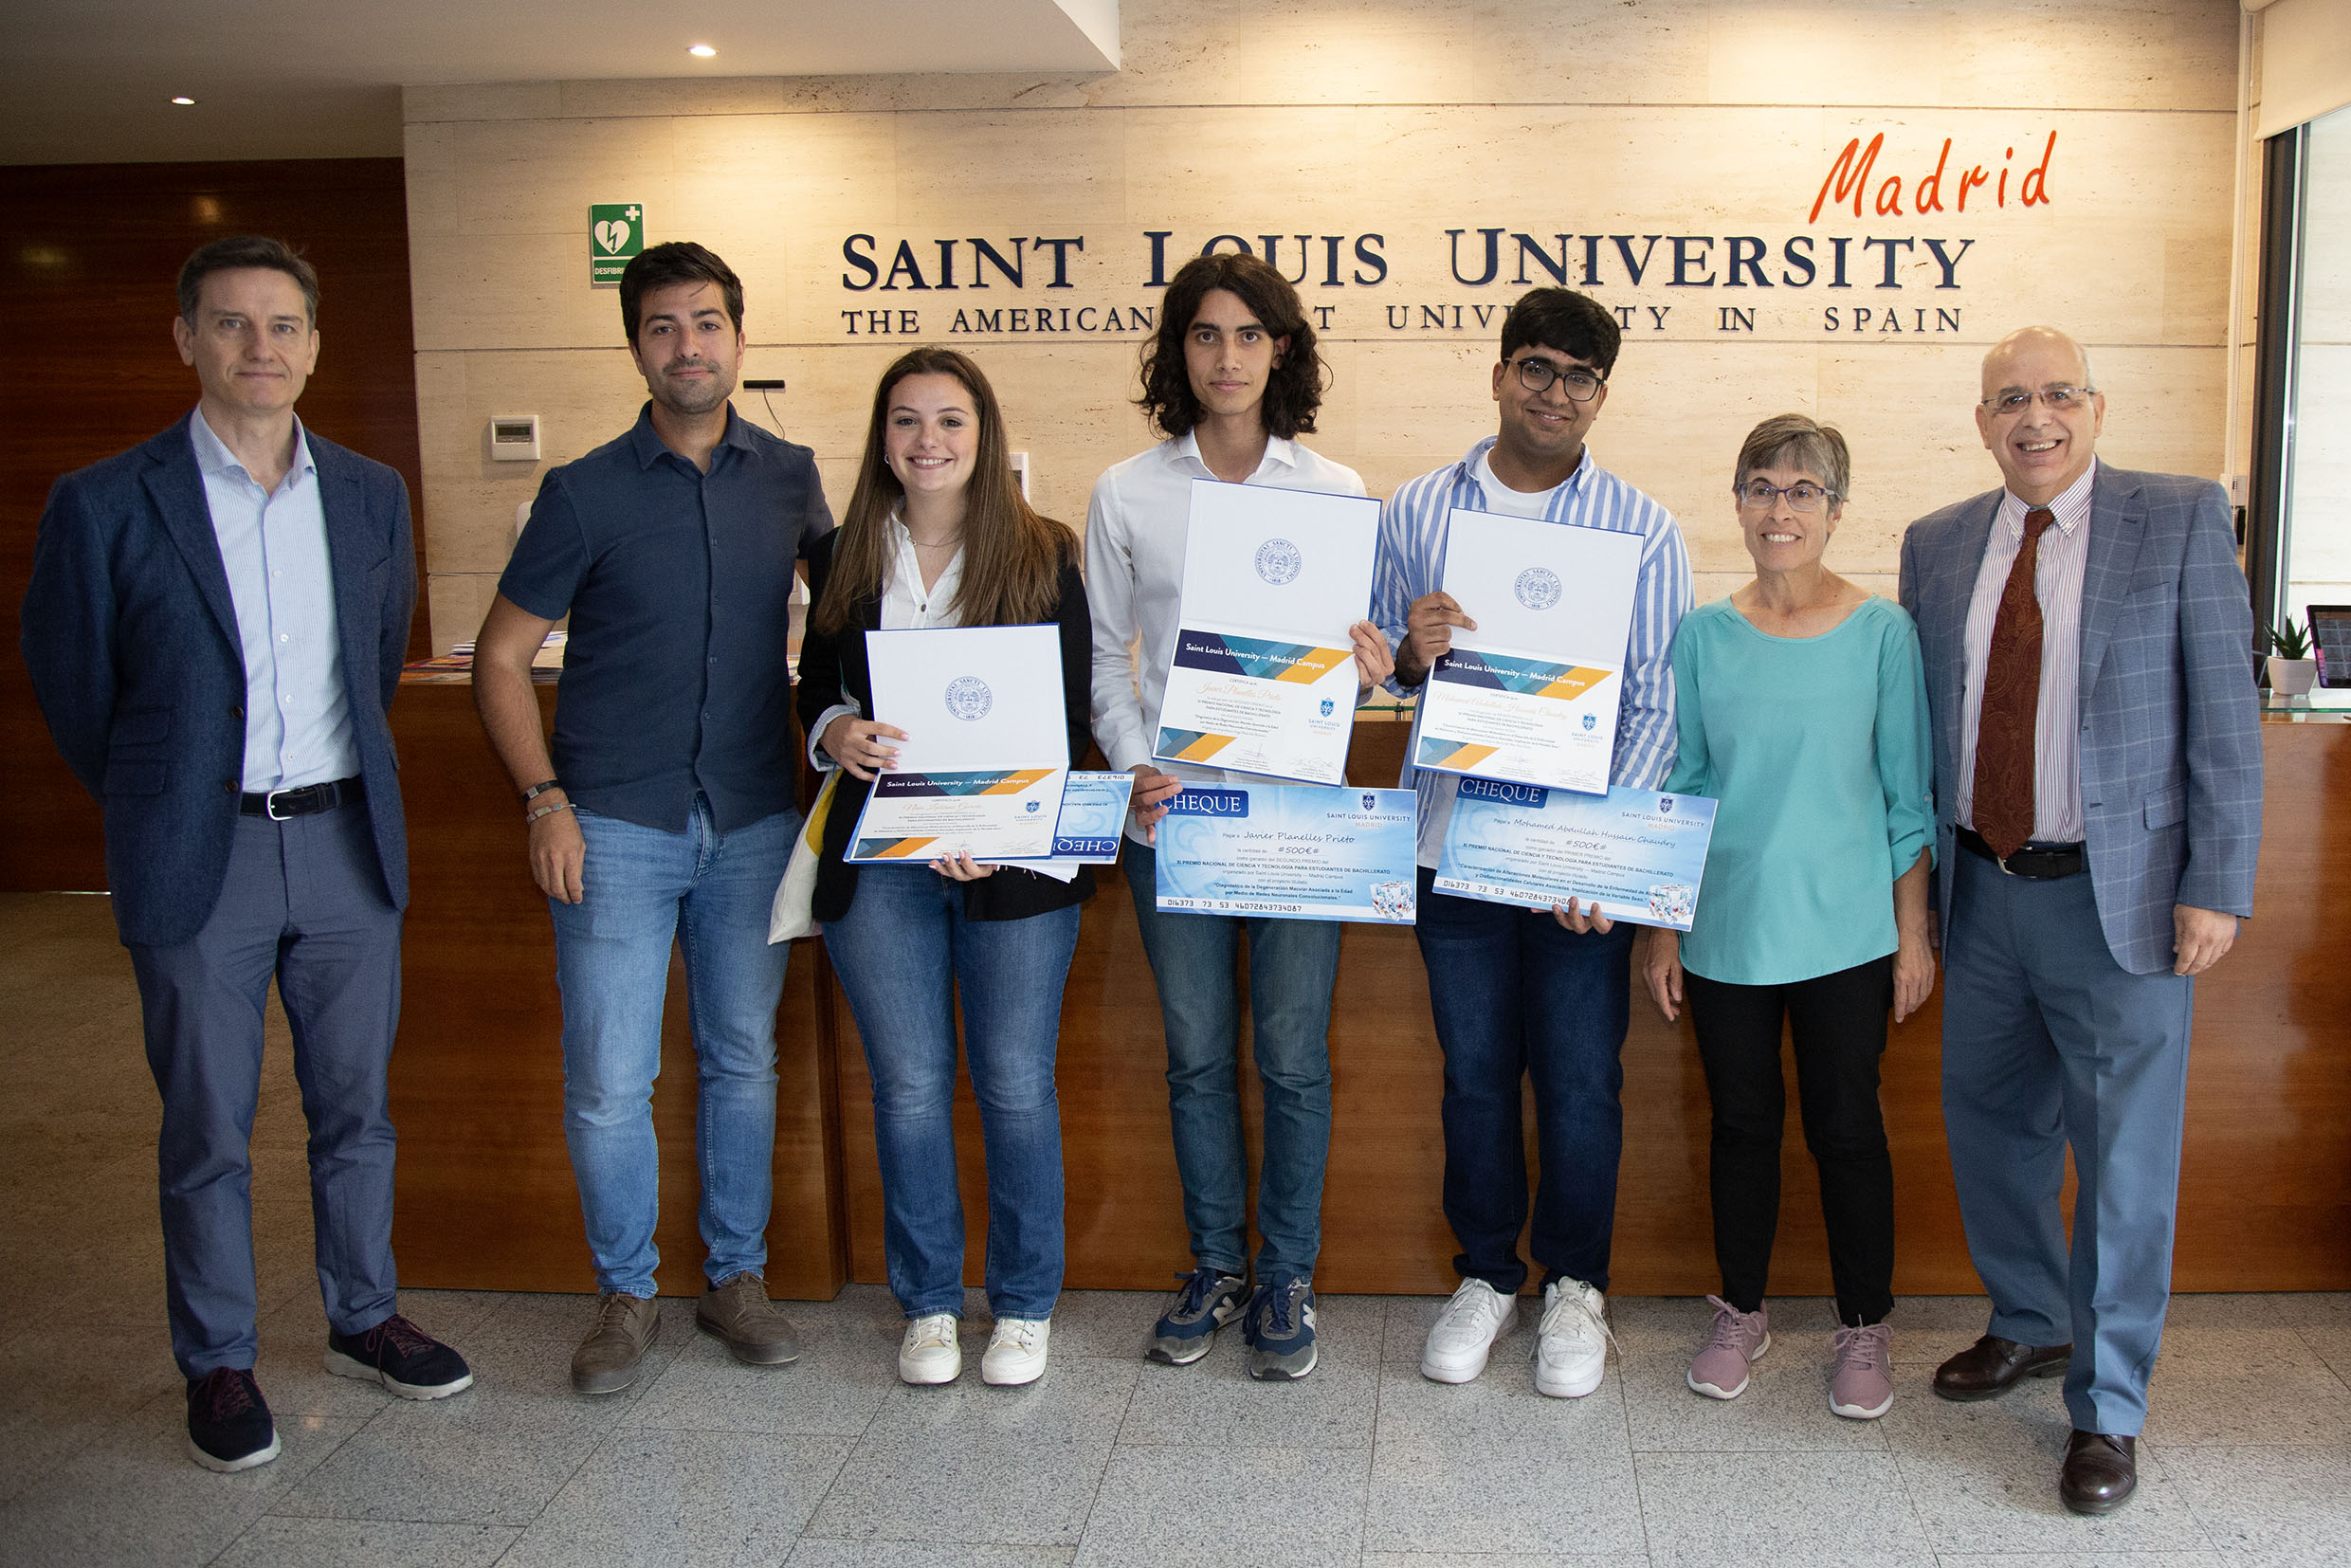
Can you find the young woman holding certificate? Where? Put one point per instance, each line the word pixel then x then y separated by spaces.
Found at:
pixel 1801 705
pixel 938 535
pixel 1233 379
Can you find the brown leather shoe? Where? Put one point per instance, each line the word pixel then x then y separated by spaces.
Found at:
pixel 2101 1473
pixel 609 1359
pixel 738 1314
pixel 1986 1368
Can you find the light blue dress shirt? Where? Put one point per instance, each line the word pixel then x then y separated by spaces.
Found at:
pixel 1816 752
pixel 273 544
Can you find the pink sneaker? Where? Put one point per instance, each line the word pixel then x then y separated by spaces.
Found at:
pixel 1719 1370
pixel 1863 1388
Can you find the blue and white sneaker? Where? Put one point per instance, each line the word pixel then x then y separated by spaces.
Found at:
pixel 1207 1300
pixel 1278 1330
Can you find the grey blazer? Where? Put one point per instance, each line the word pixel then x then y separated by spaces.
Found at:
pixel 130 637
pixel 2171 743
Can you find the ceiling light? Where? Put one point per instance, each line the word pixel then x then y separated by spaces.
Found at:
pixel 700 51
pixel 184 102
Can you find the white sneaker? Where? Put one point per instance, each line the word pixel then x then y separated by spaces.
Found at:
pixel 1571 1347
pixel 929 1353
pixel 1015 1351
pixel 1465 1332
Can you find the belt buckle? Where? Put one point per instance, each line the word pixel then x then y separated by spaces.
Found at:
pixel 2001 861
pixel 269 805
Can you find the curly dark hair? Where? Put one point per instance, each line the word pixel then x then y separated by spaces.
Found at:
pixel 1292 392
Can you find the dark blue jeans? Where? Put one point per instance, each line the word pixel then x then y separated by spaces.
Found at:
pixel 1517 996
pixel 902 951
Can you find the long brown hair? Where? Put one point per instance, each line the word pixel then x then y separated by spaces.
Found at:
pixel 1012 555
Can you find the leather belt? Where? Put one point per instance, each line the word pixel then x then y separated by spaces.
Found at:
pixel 2041 862
pixel 279 804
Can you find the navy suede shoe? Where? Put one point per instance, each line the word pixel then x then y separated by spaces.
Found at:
pixel 402 1357
pixel 229 1425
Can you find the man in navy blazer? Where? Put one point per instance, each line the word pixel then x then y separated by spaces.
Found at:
pixel 214 628
pixel 2088 644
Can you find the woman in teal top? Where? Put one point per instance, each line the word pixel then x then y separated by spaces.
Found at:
pixel 1802 707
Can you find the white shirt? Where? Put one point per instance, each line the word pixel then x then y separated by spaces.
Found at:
pixel 1514 503
pixel 1135 528
pixel 906 605
pixel 2058 568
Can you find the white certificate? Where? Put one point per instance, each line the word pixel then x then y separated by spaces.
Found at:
pixel 987 746
pixel 1531 695
pixel 1263 678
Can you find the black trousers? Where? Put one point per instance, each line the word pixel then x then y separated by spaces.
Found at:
pixel 1838 1022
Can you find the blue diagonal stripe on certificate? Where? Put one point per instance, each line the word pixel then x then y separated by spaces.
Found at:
pixel 992 781
pixel 1229 654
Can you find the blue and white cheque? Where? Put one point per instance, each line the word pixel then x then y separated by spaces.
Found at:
pixel 987 744
pixel 1262 678
pixel 1640 854
pixel 1291 851
pixel 1093 812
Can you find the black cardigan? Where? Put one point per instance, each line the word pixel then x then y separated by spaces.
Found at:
pixel 832 669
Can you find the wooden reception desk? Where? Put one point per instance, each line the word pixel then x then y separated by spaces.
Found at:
pixel 487 1198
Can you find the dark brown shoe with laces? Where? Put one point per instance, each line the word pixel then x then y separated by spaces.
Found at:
pixel 2101 1473
pixel 1991 1365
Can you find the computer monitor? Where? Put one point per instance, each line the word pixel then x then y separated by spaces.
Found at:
pixel 2330 636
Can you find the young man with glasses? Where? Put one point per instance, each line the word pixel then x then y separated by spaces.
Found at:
pixel 1515 993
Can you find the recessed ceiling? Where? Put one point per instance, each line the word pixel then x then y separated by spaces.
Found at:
pixel 92 81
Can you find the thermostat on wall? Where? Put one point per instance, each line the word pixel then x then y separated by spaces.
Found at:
pixel 514 438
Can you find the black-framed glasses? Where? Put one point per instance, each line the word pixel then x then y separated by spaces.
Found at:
pixel 1537 374
pixel 2059 399
pixel 1803 496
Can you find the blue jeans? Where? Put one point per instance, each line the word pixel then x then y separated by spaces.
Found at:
pixel 1293 965
pixel 901 951
pixel 646 888
pixel 1516 995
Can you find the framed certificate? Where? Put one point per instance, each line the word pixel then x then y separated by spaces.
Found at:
pixel 987 748
pixel 1301 853
pixel 1531 695
pixel 1641 855
pixel 1263 677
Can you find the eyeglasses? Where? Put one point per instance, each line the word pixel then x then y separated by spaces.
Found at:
pixel 2059 399
pixel 1537 374
pixel 1803 496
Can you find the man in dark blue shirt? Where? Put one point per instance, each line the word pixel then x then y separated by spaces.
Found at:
pixel 668 795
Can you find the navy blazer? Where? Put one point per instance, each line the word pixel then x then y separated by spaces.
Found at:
pixel 130 637
pixel 2171 742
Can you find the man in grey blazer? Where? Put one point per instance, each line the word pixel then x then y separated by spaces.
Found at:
pixel 2088 644
pixel 214 628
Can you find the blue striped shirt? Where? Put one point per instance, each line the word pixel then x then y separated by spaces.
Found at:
pixel 1410 564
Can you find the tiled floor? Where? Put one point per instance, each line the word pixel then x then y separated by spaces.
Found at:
pixel 1107 1461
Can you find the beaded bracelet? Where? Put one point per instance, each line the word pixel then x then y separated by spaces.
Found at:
pixel 529 818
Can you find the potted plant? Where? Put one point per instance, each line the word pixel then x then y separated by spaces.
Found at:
pixel 2291 668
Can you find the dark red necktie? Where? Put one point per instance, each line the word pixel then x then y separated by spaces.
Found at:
pixel 2012 701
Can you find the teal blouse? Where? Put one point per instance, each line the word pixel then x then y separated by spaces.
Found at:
pixel 1816 752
